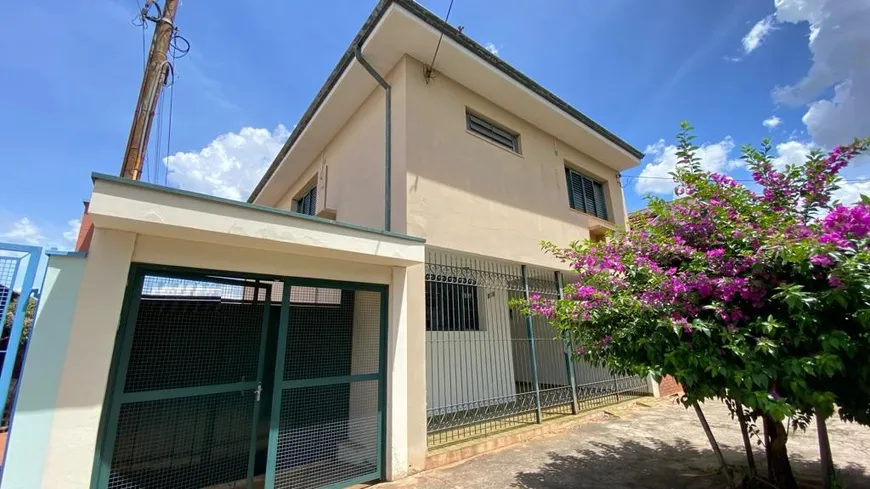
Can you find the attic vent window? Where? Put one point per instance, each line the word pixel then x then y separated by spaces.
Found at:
pixel 493 132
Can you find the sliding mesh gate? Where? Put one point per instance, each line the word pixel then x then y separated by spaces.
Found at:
pixel 224 381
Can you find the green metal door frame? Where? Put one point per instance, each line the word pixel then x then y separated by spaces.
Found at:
pixel 115 395
pixel 280 384
pixel 103 450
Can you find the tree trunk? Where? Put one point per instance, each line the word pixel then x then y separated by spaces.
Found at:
pixel 750 457
pixel 777 459
pixel 767 455
pixel 825 453
pixel 712 439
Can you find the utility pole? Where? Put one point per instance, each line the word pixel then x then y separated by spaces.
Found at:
pixel 156 70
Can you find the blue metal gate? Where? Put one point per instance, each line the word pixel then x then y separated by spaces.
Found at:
pixel 18 266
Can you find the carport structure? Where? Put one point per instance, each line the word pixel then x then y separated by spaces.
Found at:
pixel 213 343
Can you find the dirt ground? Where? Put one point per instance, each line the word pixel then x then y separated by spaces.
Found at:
pixel 654 444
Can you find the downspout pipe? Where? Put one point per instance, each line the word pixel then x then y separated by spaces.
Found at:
pixel 388 143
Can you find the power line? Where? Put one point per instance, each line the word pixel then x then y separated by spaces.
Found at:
pixel 157 142
pixel 427 71
pixel 153 81
pixel 140 21
pixel 746 180
pixel 173 52
pixel 153 168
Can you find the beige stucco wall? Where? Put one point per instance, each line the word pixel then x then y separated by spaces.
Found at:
pixel 465 193
pixel 79 402
pixel 29 437
pixel 416 314
pixel 73 432
pixel 459 191
pixel 354 161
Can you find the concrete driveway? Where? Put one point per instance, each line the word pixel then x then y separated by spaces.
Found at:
pixel 653 444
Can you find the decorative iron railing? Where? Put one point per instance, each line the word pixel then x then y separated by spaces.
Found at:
pixel 490 368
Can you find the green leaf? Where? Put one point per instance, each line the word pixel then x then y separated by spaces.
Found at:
pixel 760 380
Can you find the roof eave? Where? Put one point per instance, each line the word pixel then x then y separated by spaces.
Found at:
pixel 460 38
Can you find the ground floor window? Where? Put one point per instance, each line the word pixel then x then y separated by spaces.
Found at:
pixel 451 305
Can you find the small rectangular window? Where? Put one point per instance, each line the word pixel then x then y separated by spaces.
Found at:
pixel 307 204
pixel 495 133
pixel 585 194
pixel 451 306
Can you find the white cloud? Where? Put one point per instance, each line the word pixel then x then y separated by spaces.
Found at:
pixel 48 235
pixel 23 231
pixel 788 153
pixel 753 39
pixel 655 176
pixel 72 234
pixel 849 193
pixel 230 166
pixel 791 153
pixel 771 122
pixel 492 48
pixel 839 41
pixel 842 118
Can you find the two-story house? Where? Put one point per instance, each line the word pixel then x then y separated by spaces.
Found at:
pixel 351 322
pixel 421 130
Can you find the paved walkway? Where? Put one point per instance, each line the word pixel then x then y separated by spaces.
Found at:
pixel 661 446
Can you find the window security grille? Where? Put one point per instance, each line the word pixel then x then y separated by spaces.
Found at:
pixel 451 305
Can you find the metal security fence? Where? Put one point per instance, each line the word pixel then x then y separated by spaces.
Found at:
pixel 18 301
pixel 238 381
pixel 489 368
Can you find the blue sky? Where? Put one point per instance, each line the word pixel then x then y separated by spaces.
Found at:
pixel 639 68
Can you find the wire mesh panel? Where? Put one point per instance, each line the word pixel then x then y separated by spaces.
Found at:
pixel 8 273
pixel 18 300
pixel 8 270
pixel 489 368
pixel 327 411
pixel 193 442
pixel 188 389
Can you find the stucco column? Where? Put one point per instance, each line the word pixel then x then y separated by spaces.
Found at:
pixel 34 409
pixel 82 387
pixel 397 377
pixel 653 386
pixel 417 448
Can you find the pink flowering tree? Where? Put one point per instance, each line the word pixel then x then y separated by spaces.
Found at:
pixel 758 295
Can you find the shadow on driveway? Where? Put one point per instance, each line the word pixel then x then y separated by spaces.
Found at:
pixel 656 464
pixel 655 445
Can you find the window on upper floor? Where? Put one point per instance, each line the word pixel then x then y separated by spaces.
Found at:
pixel 585 194
pixel 489 130
pixel 307 204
